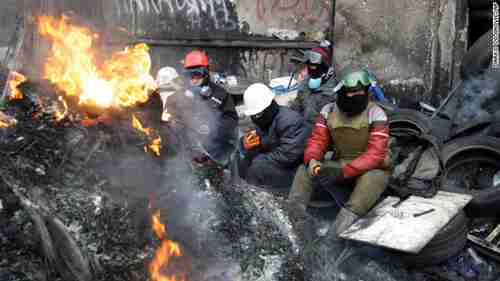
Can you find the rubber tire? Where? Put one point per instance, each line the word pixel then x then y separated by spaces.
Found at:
pixel 466 144
pixel 480 4
pixel 409 118
pixel 485 205
pixel 465 147
pixel 470 127
pixel 448 242
pixel 478 57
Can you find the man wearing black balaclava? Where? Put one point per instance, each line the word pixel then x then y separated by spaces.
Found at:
pixel 270 152
pixel 358 130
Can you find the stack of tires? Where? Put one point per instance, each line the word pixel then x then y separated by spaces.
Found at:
pixel 470 164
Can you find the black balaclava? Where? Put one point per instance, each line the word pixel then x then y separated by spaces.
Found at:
pixel 266 118
pixel 352 106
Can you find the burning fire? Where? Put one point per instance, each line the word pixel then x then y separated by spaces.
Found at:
pixel 164 253
pixel 136 124
pixel 122 80
pixel 15 79
pixel 155 144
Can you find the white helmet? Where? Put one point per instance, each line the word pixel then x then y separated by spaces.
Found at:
pixel 257 97
pixel 166 75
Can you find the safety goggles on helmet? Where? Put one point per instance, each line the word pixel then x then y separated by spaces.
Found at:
pixel 313 57
pixel 196 73
pixel 354 81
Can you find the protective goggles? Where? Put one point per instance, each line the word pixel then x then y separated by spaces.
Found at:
pixel 196 73
pixel 354 82
pixel 312 57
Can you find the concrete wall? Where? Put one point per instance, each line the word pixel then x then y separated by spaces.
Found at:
pixel 8 13
pixel 414 47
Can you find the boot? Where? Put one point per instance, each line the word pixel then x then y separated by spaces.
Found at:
pixel 344 220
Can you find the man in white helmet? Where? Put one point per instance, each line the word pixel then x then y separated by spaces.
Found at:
pixel 272 151
pixel 169 83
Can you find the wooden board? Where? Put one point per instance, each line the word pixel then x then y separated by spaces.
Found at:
pixel 398 228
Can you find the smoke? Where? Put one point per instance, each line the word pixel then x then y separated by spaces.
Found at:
pixel 478 98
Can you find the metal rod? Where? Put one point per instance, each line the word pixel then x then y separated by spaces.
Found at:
pixel 446 100
pixel 332 31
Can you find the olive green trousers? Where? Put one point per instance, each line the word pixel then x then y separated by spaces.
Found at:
pixel 367 188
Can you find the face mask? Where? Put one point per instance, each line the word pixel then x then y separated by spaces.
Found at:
pixel 265 119
pixel 314 83
pixel 352 106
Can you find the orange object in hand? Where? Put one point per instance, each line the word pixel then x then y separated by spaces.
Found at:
pixel 251 140
pixel 316 169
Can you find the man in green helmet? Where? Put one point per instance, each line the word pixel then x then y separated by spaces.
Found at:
pixel 358 131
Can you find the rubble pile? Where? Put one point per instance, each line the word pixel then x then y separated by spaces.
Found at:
pixel 58 166
pixel 48 163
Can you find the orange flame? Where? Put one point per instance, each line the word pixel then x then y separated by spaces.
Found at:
pixel 15 79
pixel 58 115
pixel 136 124
pixel 122 80
pixel 155 144
pixel 164 253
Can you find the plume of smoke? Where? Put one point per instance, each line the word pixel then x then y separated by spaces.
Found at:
pixel 480 97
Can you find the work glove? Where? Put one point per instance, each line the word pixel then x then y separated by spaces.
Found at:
pixel 314 167
pixel 331 174
pixel 251 140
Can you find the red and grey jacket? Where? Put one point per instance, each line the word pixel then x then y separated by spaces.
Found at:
pixel 376 150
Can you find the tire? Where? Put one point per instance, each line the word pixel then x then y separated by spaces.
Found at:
pixel 470 127
pixel 447 243
pixel 412 121
pixel 461 152
pixel 478 57
pixel 409 119
pixel 485 205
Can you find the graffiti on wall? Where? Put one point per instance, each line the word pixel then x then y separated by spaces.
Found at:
pixel 314 12
pixel 199 14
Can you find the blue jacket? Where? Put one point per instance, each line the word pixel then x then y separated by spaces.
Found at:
pixel 284 142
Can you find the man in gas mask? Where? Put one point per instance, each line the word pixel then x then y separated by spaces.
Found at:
pixel 319 82
pixel 270 153
pixel 358 131
pixel 213 110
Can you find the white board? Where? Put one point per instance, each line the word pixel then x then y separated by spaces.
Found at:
pixel 397 228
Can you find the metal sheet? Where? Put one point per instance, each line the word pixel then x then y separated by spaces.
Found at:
pixel 398 228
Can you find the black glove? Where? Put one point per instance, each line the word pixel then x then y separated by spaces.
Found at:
pixel 329 176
